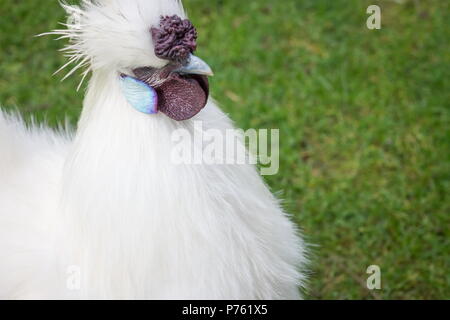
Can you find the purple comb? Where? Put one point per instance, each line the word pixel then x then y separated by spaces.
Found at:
pixel 175 39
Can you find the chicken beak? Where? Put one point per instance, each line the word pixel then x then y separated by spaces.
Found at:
pixel 195 65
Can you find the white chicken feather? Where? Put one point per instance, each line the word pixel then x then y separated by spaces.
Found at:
pixel 110 202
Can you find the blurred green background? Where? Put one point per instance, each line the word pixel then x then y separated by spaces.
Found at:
pixel 363 118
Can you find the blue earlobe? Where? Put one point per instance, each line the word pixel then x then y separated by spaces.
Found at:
pixel 140 95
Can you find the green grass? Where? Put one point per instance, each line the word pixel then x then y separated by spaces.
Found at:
pixel 363 118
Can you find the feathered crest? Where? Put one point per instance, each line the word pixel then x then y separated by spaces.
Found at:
pixel 73 31
pixel 112 33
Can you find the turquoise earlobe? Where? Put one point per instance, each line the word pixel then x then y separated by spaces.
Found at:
pixel 139 95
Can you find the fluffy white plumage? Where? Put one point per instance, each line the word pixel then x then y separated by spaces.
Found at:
pixel 110 201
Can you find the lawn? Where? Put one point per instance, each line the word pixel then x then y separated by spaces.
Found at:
pixel 363 118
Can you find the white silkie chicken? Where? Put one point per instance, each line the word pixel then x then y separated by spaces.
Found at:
pixel 107 214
